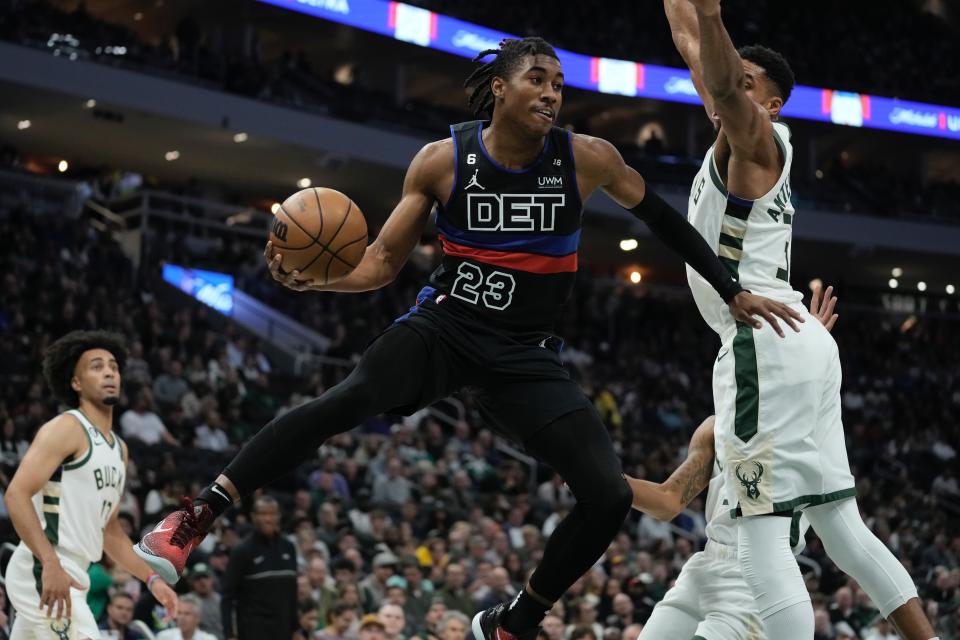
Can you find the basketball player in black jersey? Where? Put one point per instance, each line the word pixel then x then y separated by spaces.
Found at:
pixel 510 191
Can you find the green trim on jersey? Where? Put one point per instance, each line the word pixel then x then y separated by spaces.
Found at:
pixel 815 500
pixel 79 463
pixel 715 175
pixel 38 575
pixel 113 438
pixel 795 528
pixel 812 500
pixel 748 383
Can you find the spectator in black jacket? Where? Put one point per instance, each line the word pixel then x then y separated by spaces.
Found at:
pixel 260 588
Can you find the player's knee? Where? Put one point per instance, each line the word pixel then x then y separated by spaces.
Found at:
pixel 616 498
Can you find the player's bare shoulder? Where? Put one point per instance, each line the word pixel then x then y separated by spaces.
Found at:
pixel 596 159
pixel 432 169
pixel 64 433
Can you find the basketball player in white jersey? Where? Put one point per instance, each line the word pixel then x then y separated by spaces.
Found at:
pixel 779 435
pixel 710 598
pixel 64 497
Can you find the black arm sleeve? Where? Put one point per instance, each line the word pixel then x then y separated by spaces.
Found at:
pixel 674 231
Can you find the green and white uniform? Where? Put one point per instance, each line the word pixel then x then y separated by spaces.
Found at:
pixel 710 598
pixel 779 433
pixel 74 506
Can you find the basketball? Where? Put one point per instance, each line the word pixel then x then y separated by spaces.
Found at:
pixel 321 233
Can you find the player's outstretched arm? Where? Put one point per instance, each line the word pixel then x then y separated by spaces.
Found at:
pixel 665 501
pixel 685 31
pixel 118 545
pixel 400 233
pixel 746 124
pixel 58 440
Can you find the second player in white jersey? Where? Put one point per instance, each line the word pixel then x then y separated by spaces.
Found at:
pixel 64 497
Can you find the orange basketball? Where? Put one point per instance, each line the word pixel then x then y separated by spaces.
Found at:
pixel 321 233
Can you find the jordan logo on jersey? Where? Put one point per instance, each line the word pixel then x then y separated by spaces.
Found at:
pixel 473 181
pixel 513 211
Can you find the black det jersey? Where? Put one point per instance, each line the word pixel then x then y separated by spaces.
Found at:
pixel 509 236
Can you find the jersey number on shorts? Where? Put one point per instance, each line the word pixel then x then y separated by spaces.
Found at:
pixel 495 290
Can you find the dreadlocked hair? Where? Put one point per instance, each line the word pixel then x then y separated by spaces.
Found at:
pixel 774 65
pixel 60 359
pixel 509 56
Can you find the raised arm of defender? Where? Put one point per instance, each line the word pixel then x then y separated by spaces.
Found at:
pixel 721 80
pixel 400 234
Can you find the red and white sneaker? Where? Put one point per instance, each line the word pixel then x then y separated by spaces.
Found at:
pixel 168 546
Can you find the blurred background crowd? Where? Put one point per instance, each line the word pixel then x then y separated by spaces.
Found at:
pixel 402 528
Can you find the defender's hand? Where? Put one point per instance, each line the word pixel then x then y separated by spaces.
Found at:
pixel 746 305
pixel 56 589
pixel 822 309
pixel 290 280
pixel 167 598
pixel 706 7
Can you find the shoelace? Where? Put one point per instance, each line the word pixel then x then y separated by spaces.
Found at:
pixel 189 526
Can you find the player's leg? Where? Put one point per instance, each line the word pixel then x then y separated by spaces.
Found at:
pixel 847 540
pixel 668 622
pixel 771 571
pixel 678 614
pixel 404 367
pixel 859 553
pixel 579 448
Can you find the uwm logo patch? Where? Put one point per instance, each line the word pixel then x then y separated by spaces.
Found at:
pixel 513 211
pixel 550 182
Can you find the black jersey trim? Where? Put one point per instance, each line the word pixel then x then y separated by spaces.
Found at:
pixel 456 167
pixel 573 167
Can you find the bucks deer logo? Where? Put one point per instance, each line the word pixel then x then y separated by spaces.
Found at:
pixel 750 482
pixel 62 629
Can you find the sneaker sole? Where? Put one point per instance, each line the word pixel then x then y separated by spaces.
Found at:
pixel 162 566
pixel 475 626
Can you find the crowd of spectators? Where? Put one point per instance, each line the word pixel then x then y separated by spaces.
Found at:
pixel 889 45
pixel 893 43
pixel 404 527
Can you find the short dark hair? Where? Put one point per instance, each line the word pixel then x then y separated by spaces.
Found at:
pixel 121 594
pixel 61 357
pixel 774 65
pixel 509 55
pixel 338 609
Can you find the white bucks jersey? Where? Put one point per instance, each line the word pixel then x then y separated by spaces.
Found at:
pixel 722 528
pixel 77 502
pixel 751 237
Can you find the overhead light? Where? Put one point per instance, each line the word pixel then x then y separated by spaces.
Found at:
pixel 138 16
pixel 950 289
pixel 629 244
pixel 819 174
pixel 303 183
pixel 893 283
pixel 90 104
pixel 815 284
pixel 896 272
pixel 24 124
pixel 344 74
pixel 921 286
pixel 635 277
pixel 274 208
pixel 240 137
pixel 171 155
pixel 63 166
